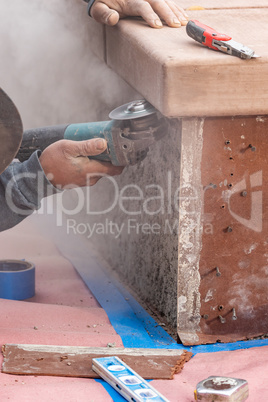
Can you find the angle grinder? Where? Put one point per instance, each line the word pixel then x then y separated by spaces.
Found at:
pixel 132 129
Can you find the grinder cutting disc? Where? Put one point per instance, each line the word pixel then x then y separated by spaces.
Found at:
pixel 10 130
pixel 132 110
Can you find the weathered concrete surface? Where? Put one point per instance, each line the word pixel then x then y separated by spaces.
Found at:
pixel 235 228
pixel 190 231
pixel 222 261
pixel 145 252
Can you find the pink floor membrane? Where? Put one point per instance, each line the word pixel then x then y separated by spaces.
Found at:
pixel 64 312
pixel 248 364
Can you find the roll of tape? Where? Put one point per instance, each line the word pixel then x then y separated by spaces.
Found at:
pixel 17 279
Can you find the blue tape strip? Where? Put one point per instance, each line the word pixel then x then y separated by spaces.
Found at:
pixel 121 315
pixel 135 326
pixel 116 397
pixel 162 337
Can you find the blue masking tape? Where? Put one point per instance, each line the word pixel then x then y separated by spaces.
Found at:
pixel 17 279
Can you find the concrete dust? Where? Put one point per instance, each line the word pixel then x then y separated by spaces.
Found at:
pixel 47 67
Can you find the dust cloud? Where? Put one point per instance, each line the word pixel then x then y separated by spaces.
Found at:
pixel 48 69
pixel 47 66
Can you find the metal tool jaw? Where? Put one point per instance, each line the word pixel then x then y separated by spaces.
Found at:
pixel 139 126
pixel 215 40
pixel 234 48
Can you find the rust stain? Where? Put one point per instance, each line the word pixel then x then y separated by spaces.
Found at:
pixel 238 212
pixel 223 239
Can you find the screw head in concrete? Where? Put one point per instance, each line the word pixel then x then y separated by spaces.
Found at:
pixel 253 149
pixel 218 273
pixel 222 319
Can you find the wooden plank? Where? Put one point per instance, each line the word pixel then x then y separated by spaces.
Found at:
pixel 183 78
pixel 97 32
pixel 216 4
pixel 68 361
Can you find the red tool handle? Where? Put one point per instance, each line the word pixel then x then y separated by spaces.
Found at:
pixel 204 34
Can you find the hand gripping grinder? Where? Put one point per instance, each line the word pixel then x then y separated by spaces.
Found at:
pixel 134 127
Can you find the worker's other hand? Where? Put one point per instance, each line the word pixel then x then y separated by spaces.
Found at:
pixel 66 163
pixel 152 11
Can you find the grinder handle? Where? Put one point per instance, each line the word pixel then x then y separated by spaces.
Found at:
pixel 41 138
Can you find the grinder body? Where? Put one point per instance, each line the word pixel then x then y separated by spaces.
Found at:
pixel 41 138
pixel 128 138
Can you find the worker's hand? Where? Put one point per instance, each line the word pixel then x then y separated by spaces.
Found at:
pixel 66 164
pixel 152 11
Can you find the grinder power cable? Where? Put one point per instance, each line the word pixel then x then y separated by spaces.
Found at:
pixel 134 127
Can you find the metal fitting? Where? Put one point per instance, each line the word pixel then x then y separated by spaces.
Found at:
pixel 222 319
pixel 234 316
